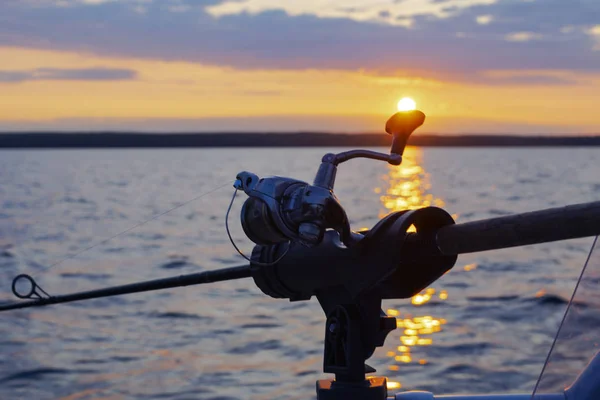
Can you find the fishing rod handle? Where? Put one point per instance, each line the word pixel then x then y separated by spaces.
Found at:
pixel 561 223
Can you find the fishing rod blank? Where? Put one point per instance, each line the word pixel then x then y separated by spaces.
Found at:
pixel 218 275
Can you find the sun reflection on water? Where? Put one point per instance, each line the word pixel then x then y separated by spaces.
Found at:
pixel 407 188
pixel 407 185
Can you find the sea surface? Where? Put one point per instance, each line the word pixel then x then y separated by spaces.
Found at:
pixel 486 326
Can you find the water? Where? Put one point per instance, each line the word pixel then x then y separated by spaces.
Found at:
pixel 484 327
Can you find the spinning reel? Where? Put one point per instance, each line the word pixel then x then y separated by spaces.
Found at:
pixel 349 273
pixel 284 209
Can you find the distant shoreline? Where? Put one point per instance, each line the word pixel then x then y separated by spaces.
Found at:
pixel 308 139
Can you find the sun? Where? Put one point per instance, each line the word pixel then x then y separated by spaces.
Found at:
pixel 406 104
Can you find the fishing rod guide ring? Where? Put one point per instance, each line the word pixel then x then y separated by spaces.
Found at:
pixel 24 295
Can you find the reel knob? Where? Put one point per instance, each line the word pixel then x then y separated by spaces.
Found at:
pixel 401 125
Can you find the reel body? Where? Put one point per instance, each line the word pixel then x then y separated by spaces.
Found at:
pixel 283 209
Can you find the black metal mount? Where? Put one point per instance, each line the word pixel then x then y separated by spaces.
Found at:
pixel 346 351
pixel 350 283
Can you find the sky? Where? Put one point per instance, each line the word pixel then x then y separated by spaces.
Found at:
pixel 473 66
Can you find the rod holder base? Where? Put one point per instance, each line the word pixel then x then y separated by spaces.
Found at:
pixel 372 388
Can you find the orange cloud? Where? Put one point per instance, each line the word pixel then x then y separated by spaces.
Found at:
pixel 183 90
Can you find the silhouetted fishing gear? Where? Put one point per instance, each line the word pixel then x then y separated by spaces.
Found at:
pixel 489 234
pixel 305 247
pixel 449 240
pixel 156 284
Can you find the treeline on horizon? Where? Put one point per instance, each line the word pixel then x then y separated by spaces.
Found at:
pixel 307 139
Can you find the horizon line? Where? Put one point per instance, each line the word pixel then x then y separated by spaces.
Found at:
pixel 298 132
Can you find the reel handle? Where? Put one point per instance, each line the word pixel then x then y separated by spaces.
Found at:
pixel 401 125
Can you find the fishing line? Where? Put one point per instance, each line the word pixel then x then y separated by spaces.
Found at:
pixel 104 241
pixel 237 249
pixel 562 322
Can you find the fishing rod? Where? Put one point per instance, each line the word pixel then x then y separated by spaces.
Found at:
pixel 305 247
pixel 476 236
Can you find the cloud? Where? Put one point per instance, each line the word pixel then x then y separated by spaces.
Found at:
pixel 523 36
pixel 290 123
pixel 492 77
pixel 525 80
pixel 594 32
pixel 262 92
pixel 59 74
pixel 14 76
pixel 455 44
pixel 484 19
pixel 392 13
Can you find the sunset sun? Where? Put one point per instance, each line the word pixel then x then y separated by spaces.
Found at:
pixel 406 104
